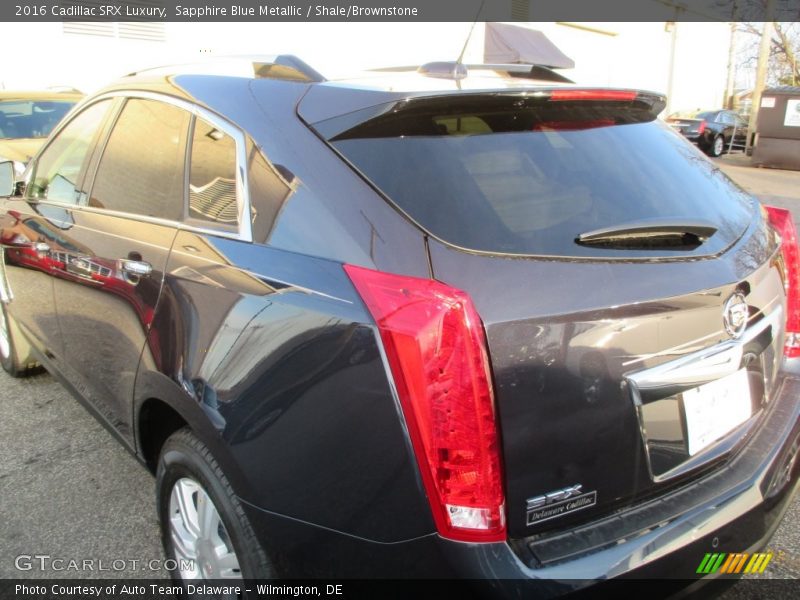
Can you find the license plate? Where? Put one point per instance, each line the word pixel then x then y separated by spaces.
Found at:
pixel 714 409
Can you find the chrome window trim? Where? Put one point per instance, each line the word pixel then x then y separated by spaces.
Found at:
pixel 244 231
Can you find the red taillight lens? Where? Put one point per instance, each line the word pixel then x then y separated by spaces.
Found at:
pixel 781 219
pixel 612 95
pixel 702 127
pixel 436 349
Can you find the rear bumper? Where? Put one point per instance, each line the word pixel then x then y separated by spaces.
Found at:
pixel 735 509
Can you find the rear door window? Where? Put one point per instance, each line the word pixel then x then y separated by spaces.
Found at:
pixel 142 168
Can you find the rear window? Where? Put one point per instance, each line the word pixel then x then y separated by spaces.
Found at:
pixel 522 175
pixel 707 115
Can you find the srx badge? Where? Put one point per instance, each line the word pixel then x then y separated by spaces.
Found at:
pixel 558 503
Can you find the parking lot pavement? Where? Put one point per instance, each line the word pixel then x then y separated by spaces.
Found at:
pixel 772 186
pixel 69 490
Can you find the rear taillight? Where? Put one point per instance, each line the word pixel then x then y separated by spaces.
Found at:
pixel 781 220
pixel 436 349
pixel 702 127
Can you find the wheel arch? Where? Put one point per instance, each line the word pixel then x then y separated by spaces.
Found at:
pixel 156 421
pixel 161 408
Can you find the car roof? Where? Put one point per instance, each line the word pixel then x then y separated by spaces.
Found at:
pixel 391 79
pixel 214 81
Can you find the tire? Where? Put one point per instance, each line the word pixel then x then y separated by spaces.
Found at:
pixel 717 146
pixel 15 353
pixel 187 478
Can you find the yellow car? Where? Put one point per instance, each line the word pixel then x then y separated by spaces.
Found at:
pixel 27 118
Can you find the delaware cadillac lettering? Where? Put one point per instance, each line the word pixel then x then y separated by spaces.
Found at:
pixel 558 503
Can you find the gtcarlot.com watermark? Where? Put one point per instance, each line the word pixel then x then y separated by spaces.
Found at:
pixel 46 562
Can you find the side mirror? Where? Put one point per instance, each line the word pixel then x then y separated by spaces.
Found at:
pixel 7 186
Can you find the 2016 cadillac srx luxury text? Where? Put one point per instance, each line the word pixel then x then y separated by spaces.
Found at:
pixel 434 323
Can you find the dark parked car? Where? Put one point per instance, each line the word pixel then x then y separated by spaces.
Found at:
pixel 713 130
pixel 27 118
pixel 410 326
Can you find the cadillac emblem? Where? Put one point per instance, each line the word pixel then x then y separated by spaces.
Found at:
pixel 735 314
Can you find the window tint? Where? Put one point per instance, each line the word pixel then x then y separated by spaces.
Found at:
pixel 462 125
pixel 61 166
pixel 212 183
pixel 142 167
pixel 529 176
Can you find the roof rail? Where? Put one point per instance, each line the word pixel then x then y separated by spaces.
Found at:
pixel 279 66
pixel 454 70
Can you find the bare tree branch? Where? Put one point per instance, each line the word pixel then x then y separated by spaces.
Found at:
pixel 784 51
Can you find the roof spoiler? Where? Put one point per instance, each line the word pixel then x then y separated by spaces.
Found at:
pixel 456 71
pixel 280 66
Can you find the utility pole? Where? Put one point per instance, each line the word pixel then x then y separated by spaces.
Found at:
pixel 761 74
pixel 672 28
pixel 731 68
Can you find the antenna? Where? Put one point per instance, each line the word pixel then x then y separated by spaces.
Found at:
pixel 469 35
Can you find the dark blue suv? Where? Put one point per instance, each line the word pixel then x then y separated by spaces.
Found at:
pixel 419 324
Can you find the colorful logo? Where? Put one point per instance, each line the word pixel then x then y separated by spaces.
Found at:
pixel 737 562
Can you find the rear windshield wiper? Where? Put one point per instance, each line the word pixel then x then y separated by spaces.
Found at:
pixel 651 233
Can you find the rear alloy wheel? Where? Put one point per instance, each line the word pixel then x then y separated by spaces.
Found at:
pixel 717 146
pixel 203 526
pixel 11 357
pixel 202 544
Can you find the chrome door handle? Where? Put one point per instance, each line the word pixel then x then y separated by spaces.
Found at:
pixel 40 247
pixel 136 267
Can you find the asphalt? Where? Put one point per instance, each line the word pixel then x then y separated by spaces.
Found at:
pixel 68 490
pixel 772 186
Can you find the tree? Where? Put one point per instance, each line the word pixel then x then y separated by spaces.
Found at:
pixel 784 66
